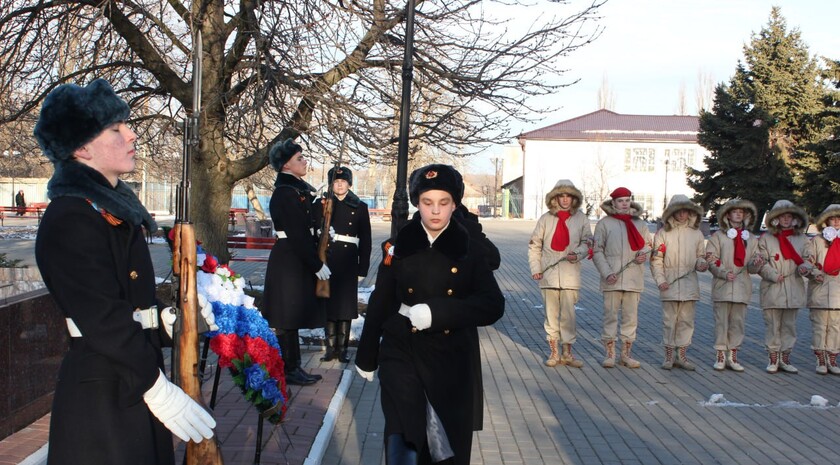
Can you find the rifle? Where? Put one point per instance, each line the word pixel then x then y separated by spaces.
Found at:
pixel 322 286
pixel 185 370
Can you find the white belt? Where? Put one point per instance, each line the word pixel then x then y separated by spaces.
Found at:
pixel 349 239
pixel 147 317
pixel 282 234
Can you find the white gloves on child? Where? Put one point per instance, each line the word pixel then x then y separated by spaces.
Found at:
pixel 324 273
pixel 178 412
pixel 168 316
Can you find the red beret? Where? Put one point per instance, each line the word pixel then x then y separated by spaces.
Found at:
pixel 621 192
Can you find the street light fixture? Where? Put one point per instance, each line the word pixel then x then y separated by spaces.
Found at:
pixel 665 192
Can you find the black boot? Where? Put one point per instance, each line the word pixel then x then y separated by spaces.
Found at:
pixel 398 452
pixel 342 339
pixel 296 348
pixel 330 341
pixel 288 340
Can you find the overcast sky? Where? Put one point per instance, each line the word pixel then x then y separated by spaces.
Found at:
pixel 649 48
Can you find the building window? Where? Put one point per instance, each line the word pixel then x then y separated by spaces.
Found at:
pixel 639 160
pixel 646 201
pixel 680 159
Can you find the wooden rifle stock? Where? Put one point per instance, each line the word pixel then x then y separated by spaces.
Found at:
pixel 322 286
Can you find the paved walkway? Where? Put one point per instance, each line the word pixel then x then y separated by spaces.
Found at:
pixel 540 415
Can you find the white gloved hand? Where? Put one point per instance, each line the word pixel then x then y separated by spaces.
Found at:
pixel 206 309
pixel 367 375
pixel 420 316
pixel 168 316
pixel 332 233
pixel 178 412
pixel 324 273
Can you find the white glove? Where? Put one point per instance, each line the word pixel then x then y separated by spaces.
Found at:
pixel 420 316
pixel 332 233
pixel 168 317
pixel 324 273
pixel 178 412
pixel 206 309
pixel 368 375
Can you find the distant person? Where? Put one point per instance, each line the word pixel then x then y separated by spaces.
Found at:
pixel 679 252
pixel 622 242
pixel 824 290
pixel 731 254
pixel 112 403
pixel 348 259
pixel 20 203
pixel 557 246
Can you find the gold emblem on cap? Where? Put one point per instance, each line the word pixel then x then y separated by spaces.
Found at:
pixel 431 174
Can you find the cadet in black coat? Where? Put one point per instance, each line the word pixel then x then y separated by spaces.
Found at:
pixel 289 301
pixel 112 403
pixel 348 258
pixel 430 296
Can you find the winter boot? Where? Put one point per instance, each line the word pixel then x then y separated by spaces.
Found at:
pixel 720 361
pixel 554 357
pixel 784 363
pixel 831 363
pixel 568 359
pixel 329 342
pixel 732 361
pixel 609 360
pixel 288 340
pixel 773 364
pixel 342 337
pixel 821 362
pixel 669 358
pixel 682 360
pixel 626 359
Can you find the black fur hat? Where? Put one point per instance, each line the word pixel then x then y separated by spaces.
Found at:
pixel 71 116
pixel 282 152
pixel 342 173
pixel 435 177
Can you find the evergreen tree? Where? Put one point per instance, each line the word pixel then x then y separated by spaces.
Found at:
pixel 760 120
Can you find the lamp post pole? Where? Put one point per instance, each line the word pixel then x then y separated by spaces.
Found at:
pixel 665 192
pixel 399 208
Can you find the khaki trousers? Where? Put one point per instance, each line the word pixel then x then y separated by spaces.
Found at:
pixel 560 314
pixel 729 324
pixel 677 322
pixel 627 303
pixel 825 327
pixel 779 329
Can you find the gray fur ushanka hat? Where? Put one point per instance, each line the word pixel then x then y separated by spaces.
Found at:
pixel 282 152
pixel 71 116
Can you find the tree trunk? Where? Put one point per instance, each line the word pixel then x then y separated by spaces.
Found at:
pixel 254 201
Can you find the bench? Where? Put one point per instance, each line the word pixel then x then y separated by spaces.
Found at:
pixel 382 213
pixel 31 211
pixel 250 243
pixel 232 216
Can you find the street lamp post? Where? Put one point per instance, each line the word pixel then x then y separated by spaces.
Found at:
pixel 665 192
pixel 399 208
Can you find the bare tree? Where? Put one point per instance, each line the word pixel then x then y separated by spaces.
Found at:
pixel 705 91
pixel 606 95
pixel 682 105
pixel 274 70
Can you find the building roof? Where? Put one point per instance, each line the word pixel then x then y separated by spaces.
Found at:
pixel 606 125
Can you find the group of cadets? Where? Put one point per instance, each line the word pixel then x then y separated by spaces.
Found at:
pixel 796 271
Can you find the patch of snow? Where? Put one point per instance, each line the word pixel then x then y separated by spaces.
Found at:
pixel 819 401
pixel 718 400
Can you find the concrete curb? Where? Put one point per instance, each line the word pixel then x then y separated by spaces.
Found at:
pixel 322 439
pixel 39 457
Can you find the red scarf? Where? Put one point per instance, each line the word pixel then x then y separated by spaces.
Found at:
pixel 740 250
pixel 633 237
pixel 560 240
pixel 831 264
pixel 787 248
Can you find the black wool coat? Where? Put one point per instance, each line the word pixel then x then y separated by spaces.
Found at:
pixel 289 300
pixel 98 273
pixel 441 363
pixel 347 262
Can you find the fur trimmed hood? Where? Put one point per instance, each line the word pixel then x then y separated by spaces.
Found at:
pixel 563 186
pixel 750 212
pixel 677 203
pixel 780 208
pixel 830 211
pixel 453 242
pixel 635 208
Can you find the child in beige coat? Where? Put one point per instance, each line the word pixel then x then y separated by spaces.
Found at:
pixel 824 290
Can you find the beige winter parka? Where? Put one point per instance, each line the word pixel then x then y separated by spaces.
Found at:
pixel 720 251
pixel 612 250
pixel 790 293
pixel 563 274
pixel 684 251
pixel 825 295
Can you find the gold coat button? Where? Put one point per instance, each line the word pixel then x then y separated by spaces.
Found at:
pixel 449 292
pixel 446 332
pixel 133 274
pixel 413 329
pixel 454 269
pixel 411 290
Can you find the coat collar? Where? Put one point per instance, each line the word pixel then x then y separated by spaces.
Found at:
pixel 453 242
pixel 288 180
pixel 351 200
